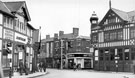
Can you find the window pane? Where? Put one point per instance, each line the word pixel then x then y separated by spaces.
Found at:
pixel 120 54
pixel 112 54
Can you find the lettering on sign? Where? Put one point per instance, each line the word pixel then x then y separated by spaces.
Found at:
pixel 8 34
pixel 20 38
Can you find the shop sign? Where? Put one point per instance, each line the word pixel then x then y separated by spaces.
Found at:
pixel 8 34
pixel 21 38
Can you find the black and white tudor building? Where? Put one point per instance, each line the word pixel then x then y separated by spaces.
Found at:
pixel 113 40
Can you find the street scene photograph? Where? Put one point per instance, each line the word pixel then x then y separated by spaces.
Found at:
pixel 67 38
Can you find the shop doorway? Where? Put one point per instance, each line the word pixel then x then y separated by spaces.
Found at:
pixel 87 64
pixel 80 62
pixel 70 63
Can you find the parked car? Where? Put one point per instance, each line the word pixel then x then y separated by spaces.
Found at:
pixel 1 71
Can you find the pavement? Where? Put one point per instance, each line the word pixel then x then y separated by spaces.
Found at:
pixel 36 74
pixel 90 72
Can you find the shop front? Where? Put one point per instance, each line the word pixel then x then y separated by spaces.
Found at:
pixel 84 60
pixel 20 46
pixel 7 50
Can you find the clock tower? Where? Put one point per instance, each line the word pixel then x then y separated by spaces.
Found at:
pixel 94 20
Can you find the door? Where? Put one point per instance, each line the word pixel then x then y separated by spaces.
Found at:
pixel 80 61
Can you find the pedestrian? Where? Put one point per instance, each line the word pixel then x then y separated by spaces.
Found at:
pixel 40 66
pixel 44 66
pixel 21 67
pixel 74 66
pixel 25 69
pixel 78 66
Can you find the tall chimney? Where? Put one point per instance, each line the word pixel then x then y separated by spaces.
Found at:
pixel 47 36
pixel 75 31
pixel 61 33
pixel 55 35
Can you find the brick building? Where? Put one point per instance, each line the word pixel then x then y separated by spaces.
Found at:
pixel 74 49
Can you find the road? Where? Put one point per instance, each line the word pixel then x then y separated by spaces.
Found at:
pixel 54 73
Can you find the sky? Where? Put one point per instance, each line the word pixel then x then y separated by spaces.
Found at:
pixel 63 15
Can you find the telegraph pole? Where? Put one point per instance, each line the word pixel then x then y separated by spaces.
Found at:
pixel 61 65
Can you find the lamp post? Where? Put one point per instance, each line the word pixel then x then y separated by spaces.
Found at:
pixel 61 65
pixel 10 57
pixel 116 61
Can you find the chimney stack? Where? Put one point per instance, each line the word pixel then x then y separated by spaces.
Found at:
pixel 55 35
pixel 75 31
pixel 61 33
pixel 47 36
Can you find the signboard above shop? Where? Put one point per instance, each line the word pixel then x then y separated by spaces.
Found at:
pixel 8 34
pixel 21 38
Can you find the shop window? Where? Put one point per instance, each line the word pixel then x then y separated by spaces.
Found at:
pixel 101 58
pixel 106 55
pixel 112 54
pixel 101 53
pixel 126 53
pixel 120 54
pixel 132 53
pixel 5 61
pixel 107 58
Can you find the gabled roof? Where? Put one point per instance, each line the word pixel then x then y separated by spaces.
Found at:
pixel 125 16
pixel 17 5
pixel 122 14
pixel 4 9
pixel 14 6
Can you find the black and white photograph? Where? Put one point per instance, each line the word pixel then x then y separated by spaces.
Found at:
pixel 67 38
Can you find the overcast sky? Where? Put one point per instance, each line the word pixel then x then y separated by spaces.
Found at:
pixel 56 15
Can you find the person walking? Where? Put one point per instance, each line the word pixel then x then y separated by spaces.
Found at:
pixel 21 67
pixel 44 66
pixel 74 66
pixel 40 66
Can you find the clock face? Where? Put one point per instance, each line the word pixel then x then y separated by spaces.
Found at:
pixel 94 21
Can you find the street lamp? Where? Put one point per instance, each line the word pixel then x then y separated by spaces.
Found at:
pixel 61 53
pixel 116 61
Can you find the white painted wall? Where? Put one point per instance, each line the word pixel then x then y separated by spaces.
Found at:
pixel 1 18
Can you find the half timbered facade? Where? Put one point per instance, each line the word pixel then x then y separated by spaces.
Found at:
pixel 113 40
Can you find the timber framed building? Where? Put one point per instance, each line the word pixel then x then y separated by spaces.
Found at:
pixel 113 40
